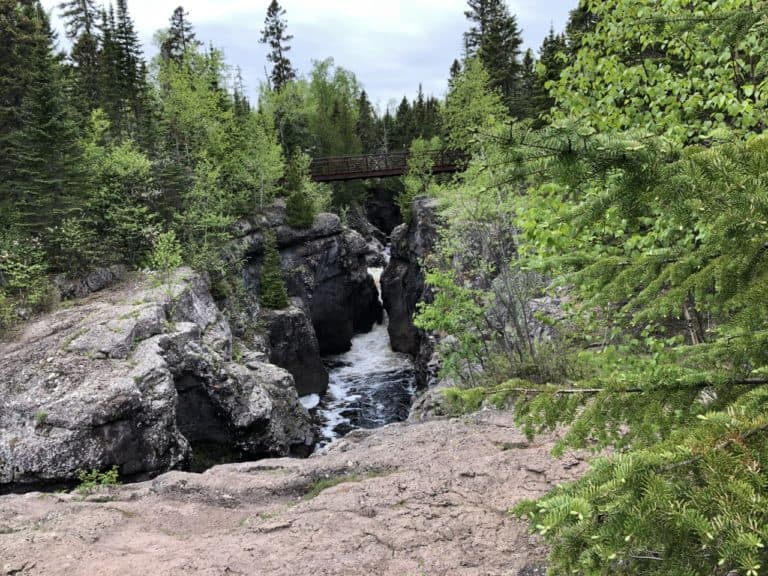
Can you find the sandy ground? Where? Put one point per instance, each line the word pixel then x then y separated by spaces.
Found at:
pixel 424 499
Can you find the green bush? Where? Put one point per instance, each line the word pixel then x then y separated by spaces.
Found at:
pixel 166 255
pixel 94 479
pixel 23 280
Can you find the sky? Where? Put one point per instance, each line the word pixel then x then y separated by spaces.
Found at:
pixel 392 46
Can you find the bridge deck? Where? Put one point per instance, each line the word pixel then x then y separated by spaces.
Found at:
pixel 341 168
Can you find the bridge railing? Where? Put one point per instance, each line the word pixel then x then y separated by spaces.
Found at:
pixel 377 165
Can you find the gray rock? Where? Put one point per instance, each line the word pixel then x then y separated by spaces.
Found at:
pixel 326 268
pixel 293 346
pixel 134 377
pixel 402 283
pixel 94 281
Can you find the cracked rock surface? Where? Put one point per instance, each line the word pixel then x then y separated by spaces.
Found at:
pixel 427 498
pixel 111 380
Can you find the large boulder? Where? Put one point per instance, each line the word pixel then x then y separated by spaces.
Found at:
pixel 136 377
pixel 403 286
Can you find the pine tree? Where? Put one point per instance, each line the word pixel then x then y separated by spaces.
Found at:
pixel 552 60
pixel 19 29
pixel 524 104
pixel 495 39
pixel 132 78
pixel 580 21
pixel 455 70
pixel 110 69
pixel 80 17
pixel 273 294
pixel 42 150
pixel 241 105
pixel 366 125
pixel 402 131
pixel 180 37
pixel 274 34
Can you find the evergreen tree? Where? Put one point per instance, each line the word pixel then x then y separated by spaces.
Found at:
pixel 39 136
pixel 110 70
pixel 581 20
pixel 241 105
pixel 402 132
pixel 552 61
pixel 300 208
pixel 455 70
pixel 132 80
pixel 274 34
pixel 524 104
pixel 273 294
pixel 45 148
pixel 80 17
pixel 19 27
pixel 180 37
pixel 367 129
pixel 495 39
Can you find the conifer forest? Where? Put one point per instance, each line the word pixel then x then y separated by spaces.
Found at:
pixel 597 271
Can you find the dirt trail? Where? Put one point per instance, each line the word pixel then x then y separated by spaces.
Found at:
pixel 424 499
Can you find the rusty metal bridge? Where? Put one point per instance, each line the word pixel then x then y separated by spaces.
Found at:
pixel 385 165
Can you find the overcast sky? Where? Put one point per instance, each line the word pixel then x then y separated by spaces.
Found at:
pixel 391 46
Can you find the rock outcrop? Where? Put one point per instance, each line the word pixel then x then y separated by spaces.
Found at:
pixel 375 238
pixel 429 498
pixel 402 283
pixel 293 346
pixel 325 266
pixel 137 377
pixel 94 281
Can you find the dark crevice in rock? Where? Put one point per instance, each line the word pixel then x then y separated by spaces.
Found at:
pixel 326 267
pixel 202 425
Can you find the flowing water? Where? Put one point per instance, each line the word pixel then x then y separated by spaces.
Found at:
pixel 369 386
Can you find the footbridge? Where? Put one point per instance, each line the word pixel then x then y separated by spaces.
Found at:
pixel 384 165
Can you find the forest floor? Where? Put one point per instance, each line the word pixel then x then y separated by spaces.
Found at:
pixel 424 499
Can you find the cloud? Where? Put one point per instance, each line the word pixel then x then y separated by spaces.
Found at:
pixel 391 46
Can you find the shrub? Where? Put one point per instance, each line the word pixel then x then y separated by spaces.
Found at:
pixel 166 255
pixel 93 479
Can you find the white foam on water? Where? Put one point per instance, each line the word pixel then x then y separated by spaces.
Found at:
pixel 310 402
pixel 369 365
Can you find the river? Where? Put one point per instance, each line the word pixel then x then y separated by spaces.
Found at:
pixel 369 386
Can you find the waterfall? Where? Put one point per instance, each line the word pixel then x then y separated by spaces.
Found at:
pixel 369 386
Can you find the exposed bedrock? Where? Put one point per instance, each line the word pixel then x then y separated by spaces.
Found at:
pixel 293 345
pixel 136 377
pixel 326 267
pixel 403 286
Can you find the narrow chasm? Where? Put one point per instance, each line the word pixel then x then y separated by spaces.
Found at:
pixel 369 386
pixel 199 421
